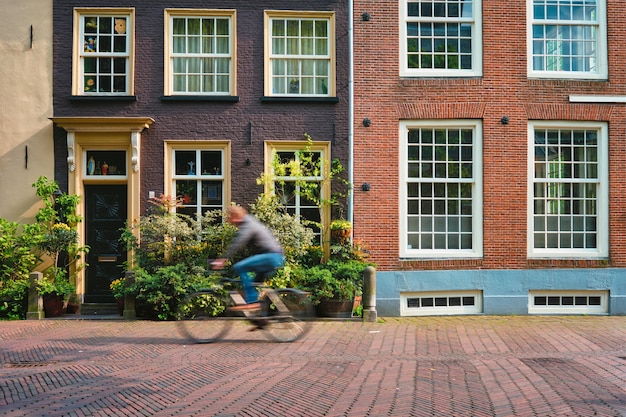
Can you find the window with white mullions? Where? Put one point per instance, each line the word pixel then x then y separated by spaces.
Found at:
pixel 301 54
pixel 200 53
pixel 198 179
pixel 441 198
pixel 441 37
pixel 569 190
pixel 568 38
pixel 104 54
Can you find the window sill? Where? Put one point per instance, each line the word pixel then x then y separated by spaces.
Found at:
pixel 232 99
pixel 271 99
pixel 103 98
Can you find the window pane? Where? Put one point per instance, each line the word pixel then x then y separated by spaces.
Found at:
pixel 564 197
pixel 202 39
pixel 443 44
pixel 569 42
pixel 196 193
pixel 300 39
pixel 442 194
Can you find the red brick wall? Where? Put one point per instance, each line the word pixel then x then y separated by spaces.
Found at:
pixel 503 90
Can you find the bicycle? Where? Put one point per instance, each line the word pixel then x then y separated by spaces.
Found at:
pixel 204 316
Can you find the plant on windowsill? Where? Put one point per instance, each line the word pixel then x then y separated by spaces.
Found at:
pixel 185 192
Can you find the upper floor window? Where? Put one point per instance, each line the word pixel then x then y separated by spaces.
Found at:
pixel 300 54
pixel 198 173
pixel 441 189
pixel 103 52
pixel 200 52
pixel 440 38
pixel 568 207
pixel 567 39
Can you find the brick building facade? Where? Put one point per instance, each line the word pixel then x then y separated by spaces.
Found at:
pixel 189 100
pixel 494 150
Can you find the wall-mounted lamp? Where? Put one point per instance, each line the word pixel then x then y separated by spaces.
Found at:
pixel 504 120
pixel 366 186
pixel 366 16
pixel 248 162
pixel 367 122
pixel 56 194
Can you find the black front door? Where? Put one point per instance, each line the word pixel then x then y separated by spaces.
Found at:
pixel 105 215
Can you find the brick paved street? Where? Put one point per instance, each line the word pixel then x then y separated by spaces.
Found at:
pixel 434 366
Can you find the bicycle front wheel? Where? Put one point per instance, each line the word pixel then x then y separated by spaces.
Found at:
pixel 200 317
pixel 289 317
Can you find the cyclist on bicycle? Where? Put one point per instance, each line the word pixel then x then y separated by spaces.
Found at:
pixel 267 254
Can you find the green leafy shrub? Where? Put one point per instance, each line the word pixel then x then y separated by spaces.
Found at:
pixel 292 234
pixel 160 292
pixel 14 298
pixel 340 280
pixel 16 258
pixel 164 237
pixel 51 239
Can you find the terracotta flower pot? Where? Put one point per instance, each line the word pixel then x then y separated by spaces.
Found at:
pixel 335 308
pixel 53 305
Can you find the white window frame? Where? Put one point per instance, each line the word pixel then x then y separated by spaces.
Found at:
pixel 443 310
pixel 475 20
pixel 79 53
pixel 601 52
pixel 170 15
pixel 270 54
pixel 602 200
pixel 224 175
pixel 561 308
pixel 475 181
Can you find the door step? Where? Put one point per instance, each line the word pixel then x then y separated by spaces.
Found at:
pixel 98 309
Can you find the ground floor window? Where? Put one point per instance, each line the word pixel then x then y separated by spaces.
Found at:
pixel 441 188
pixel 198 172
pixel 290 179
pixel 568 207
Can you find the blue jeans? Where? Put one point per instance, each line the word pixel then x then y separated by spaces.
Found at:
pixel 259 264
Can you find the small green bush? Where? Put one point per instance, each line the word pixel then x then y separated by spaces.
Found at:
pixel 160 292
pixel 340 280
pixel 14 299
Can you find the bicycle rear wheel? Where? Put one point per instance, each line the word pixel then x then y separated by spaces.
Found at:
pixel 290 325
pixel 200 317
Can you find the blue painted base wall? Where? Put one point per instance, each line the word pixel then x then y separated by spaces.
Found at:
pixel 504 291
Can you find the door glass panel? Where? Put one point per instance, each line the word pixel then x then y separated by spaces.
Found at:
pixel 105 163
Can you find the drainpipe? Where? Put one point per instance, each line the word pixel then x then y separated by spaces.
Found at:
pixel 351 111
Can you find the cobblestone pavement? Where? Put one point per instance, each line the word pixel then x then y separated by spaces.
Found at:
pixel 433 366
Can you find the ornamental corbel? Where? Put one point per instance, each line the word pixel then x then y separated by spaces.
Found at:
pixel 71 161
pixel 134 143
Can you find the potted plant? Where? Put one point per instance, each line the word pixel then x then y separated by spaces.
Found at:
pixel 56 289
pixel 340 231
pixel 118 287
pixel 333 286
pixel 58 239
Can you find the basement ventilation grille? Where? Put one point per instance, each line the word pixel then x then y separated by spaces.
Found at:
pixel 568 302
pixel 441 303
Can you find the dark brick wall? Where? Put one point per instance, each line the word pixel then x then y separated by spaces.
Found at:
pixel 203 120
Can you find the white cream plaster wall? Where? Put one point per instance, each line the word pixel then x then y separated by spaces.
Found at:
pixel 25 104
